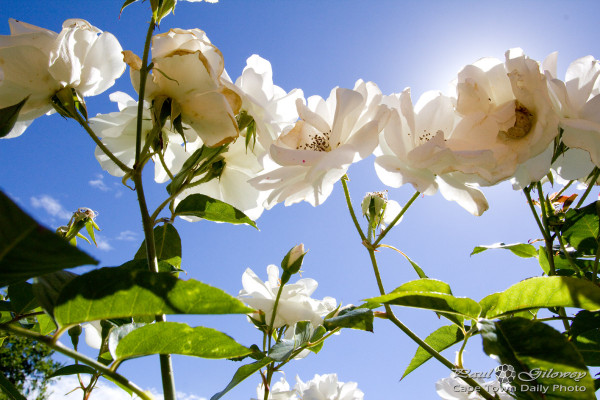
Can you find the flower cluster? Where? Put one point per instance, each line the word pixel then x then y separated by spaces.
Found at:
pixel 502 122
pixel 35 64
pixel 321 387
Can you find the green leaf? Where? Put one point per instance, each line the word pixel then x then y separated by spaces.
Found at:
pixel 199 161
pixel 241 374
pixel 127 2
pixel 122 292
pixel 45 323
pixel 73 369
pixel 167 243
pixel 9 389
pixel 431 295
pixel 544 292
pixel 201 206
pixel 533 347
pixel 581 228
pixel 588 344
pixel 584 321
pixel 47 288
pixel 520 249
pixel 142 265
pixel 21 297
pixel 117 334
pixel 543 260
pixel 283 349
pixel 179 338
pixel 28 250
pixel 441 339
pixel 317 335
pixel 9 117
pixel 354 318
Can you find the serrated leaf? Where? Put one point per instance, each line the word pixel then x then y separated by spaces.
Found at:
pixel 122 292
pixel 354 318
pixel 441 339
pixel 531 346
pixel 524 250
pixel 201 206
pixel 73 370
pixel 432 295
pixel 581 228
pixel 9 116
pixel 179 338
pixel 544 292
pixel 241 374
pixel 9 389
pixel 27 249
pixel 167 243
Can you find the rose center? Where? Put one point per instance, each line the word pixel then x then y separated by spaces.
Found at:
pixel 316 142
pixel 523 122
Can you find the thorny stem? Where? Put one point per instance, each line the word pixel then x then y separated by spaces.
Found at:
pixel 390 314
pixel 102 146
pixel 76 356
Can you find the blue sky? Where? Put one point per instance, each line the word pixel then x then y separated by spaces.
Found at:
pixel 312 45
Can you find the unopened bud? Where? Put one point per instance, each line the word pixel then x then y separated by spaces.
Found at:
pixel 292 262
pixel 373 208
pixel 74 333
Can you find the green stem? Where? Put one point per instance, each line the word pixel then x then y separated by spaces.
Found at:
pixel 390 314
pixel 595 270
pixel 270 368
pixel 596 173
pixel 395 221
pixel 96 140
pixel 351 209
pixel 164 164
pixel 548 241
pixel 578 270
pixel 76 356
pixel 166 367
pixel 142 91
pixel 434 353
pixel 561 191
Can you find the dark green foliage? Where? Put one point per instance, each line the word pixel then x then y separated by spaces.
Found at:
pixel 26 364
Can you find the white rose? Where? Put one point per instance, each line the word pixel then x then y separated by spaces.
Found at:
pixel 36 63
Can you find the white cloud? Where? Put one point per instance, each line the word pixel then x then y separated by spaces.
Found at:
pixel 127 235
pixel 51 206
pixel 102 391
pixel 98 183
pixel 103 243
